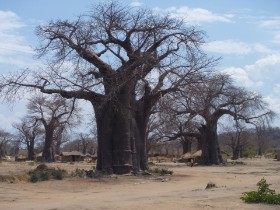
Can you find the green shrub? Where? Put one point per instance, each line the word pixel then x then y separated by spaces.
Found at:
pixel 249 152
pixel 58 174
pixel 45 174
pixel 263 195
pixel 34 178
pixel 79 172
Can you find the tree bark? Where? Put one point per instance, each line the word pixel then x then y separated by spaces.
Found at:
pixel 236 148
pixel 121 129
pixel 30 149
pixel 142 118
pixel 47 155
pixel 116 141
pixel 209 145
pixel 187 145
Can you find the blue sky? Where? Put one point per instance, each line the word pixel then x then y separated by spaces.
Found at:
pixel 245 33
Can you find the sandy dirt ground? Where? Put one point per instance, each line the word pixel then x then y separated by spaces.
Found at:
pixel 183 190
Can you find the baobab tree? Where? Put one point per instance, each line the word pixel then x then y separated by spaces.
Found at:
pixel 210 100
pixel 235 136
pixel 5 139
pixel 52 114
pixel 61 136
pixel 28 131
pixel 122 60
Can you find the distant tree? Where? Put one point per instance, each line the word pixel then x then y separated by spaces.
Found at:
pixel 53 113
pixel 5 139
pixel 235 137
pixel 83 143
pixel 262 139
pixel 86 143
pixel 212 99
pixel 60 137
pixel 28 131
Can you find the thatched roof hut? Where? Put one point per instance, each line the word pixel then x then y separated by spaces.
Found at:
pixel 71 156
pixel 39 157
pixel 187 157
pixel 20 158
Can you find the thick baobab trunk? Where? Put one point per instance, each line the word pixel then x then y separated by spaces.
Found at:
pixel 47 155
pixel 141 144
pixel 30 150
pixel 209 145
pixel 142 114
pixel 236 149
pixel 115 134
pixel 187 144
pixel 121 131
pixel 203 145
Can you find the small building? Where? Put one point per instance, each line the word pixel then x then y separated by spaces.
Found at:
pixel 90 158
pixel 20 158
pixel 39 157
pixel 73 156
pixel 191 157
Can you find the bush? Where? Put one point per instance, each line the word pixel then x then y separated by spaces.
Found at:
pixel 58 174
pixel 34 178
pixel 79 172
pixel 249 152
pixel 44 174
pixel 263 195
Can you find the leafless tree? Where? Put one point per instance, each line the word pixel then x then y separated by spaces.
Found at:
pixel 214 98
pixel 122 60
pixel 235 136
pixel 5 138
pixel 52 113
pixel 84 143
pixel 28 130
pixel 60 137
pixel 173 126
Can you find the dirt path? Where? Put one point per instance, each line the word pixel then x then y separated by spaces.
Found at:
pixel 184 190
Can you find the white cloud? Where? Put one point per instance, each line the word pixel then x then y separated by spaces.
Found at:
pixel 235 47
pixel 276 89
pixel 228 47
pixel 195 15
pixel 9 21
pixel 266 62
pixel 14 49
pixel 273 102
pixel 240 76
pixel 274 25
pixel 136 3
pixel 265 69
pixel 9 118
pixel 261 76
pixel 260 48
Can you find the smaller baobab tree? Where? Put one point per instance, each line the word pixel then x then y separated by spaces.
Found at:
pixel 5 139
pixel 235 136
pixel 52 113
pixel 61 136
pixel 28 131
pixel 210 100
pixel 177 126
